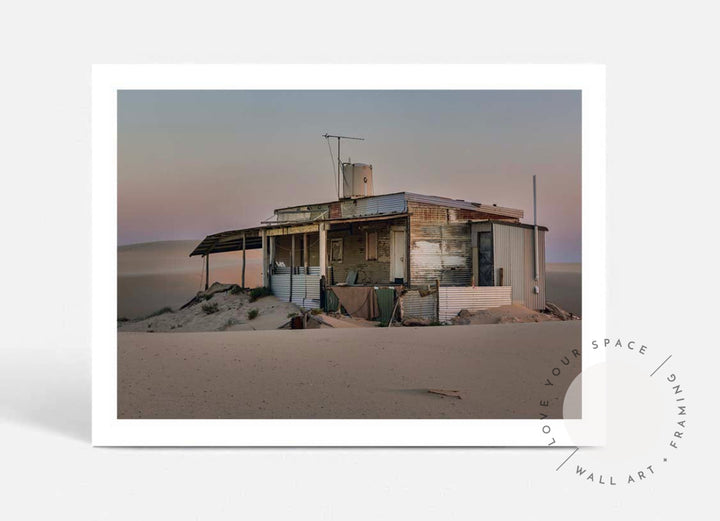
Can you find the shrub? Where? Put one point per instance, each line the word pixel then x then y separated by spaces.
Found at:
pixel 316 311
pixel 291 315
pixel 258 293
pixel 230 322
pixel 252 313
pixel 209 309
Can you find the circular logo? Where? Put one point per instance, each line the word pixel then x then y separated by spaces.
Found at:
pixel 638 399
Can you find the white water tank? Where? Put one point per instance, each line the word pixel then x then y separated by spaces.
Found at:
pixel 357 180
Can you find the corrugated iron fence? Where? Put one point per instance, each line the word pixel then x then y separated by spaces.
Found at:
pixel 419 305
pixel 305 287
pixel 454 299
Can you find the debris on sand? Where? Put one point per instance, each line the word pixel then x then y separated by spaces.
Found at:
pixel 512 314
pixel 415 322
pixel 555 310
pixel 445 392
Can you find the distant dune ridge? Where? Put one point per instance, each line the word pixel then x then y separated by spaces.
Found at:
pixel 563 283
pixel 154 275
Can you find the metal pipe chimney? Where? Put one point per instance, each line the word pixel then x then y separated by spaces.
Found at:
pixel 535 226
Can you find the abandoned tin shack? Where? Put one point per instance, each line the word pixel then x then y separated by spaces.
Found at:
pixel 394 255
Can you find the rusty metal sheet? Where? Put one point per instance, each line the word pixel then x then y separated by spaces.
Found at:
pixel 412 304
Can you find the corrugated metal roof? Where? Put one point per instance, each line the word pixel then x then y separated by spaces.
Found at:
pixel 385 205
pixel 226 241
pixel 420 198
pixel 465 205
pixel 506 223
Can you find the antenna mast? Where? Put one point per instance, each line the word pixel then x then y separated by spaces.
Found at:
pixel 328 136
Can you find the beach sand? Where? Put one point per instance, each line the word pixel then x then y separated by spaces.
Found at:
pixel 499 370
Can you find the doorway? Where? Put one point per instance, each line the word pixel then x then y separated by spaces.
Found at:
pixel 397 255
pixel 486 268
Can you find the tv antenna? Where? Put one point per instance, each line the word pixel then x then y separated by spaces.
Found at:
pixel 339 161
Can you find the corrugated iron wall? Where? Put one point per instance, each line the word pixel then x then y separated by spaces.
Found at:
pixel 280 285
pixel 509 254
pixel 453 300
pixel 534 300
pixel 305 288
pixel 513 250
pixel 412 304
pixel 439 247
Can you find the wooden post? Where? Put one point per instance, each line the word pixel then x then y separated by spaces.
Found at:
pixel 292 263
pixel 292 251
pixel 407 252
pixel 323 249
pixel 265 281
pixel 272 247
pixel 437 300
pixel 243 269
pixel 502 277
pixel 207 270
pixel 305 251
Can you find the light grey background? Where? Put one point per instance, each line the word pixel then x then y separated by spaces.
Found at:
pixel 662 140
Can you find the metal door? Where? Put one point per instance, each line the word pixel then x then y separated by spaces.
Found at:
pixel 486 267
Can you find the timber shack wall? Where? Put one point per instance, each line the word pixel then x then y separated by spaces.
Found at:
pixel 440 244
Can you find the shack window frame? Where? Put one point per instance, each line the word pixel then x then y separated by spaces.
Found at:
pixel 371 236
pixel 339 250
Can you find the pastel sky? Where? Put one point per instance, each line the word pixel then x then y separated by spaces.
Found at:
pixel 192 163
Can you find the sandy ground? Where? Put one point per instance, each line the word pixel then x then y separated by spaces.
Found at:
pixel 563 286
pixel 499 371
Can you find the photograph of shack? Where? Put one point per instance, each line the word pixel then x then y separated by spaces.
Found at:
pixel 435 275
pixel 394 256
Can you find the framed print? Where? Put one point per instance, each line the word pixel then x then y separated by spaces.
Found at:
pixel 348 255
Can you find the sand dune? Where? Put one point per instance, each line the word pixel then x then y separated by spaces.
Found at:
pixel 159 274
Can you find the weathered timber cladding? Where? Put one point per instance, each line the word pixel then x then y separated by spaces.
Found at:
pixel 439 246
pixel 353 235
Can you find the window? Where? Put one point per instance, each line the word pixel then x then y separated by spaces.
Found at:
pixel 371 245
pixel 336 250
